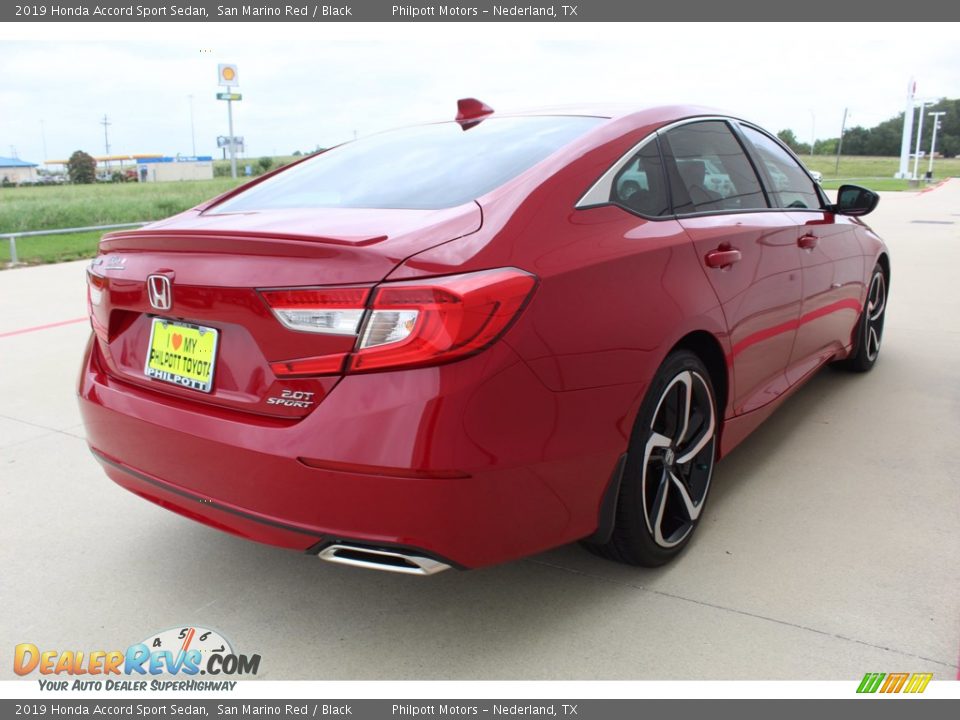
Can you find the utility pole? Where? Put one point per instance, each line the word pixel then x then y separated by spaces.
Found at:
pixel 43 136
pixel 843 127
pixel 916 152
pixel 933 140
pixel 813 132
pixel 106 139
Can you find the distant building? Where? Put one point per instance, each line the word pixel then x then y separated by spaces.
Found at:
pixel 166 169
pixel 17 171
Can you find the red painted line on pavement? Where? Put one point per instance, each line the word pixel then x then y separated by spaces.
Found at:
pixel 930 188
pixel 35 328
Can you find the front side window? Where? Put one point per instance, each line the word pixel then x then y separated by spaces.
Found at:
pixel 790 186
pixel 422 167
pixel 709 171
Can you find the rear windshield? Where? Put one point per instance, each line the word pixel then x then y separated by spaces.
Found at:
pixel 425 167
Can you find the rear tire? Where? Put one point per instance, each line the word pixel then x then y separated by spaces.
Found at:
pixel 669 466
pixel 869 333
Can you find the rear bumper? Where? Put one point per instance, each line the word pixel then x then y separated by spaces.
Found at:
pixel 472 463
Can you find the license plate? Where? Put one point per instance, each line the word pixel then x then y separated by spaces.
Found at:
pixel 182 354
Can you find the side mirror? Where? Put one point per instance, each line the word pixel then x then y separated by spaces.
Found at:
pixel 855 200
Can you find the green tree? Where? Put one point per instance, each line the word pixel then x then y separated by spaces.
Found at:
pixel 789 138
pixel 82 168
pixel 265 164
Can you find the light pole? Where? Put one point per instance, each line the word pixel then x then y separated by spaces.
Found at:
pixel 193 135
pixel 933 140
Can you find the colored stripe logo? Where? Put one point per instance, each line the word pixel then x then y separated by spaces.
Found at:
pixel 894 682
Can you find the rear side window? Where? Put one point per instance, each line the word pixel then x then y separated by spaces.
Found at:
pixel 640 186
pixel 709 171
pixel 789 185
pixel 425 167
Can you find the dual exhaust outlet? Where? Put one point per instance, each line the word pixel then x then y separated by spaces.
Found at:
pixel 398 561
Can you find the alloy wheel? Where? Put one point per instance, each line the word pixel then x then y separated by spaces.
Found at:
pixel 678 458
pixel 876 304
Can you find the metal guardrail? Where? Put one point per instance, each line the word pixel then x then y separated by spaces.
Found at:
pixel 12 237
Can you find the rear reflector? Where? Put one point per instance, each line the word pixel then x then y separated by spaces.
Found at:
pixel 405 324
pixel 320 365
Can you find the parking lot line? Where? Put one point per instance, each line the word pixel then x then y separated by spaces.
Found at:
pixel 37 328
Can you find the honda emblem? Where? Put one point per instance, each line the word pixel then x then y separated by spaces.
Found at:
pixel 159 292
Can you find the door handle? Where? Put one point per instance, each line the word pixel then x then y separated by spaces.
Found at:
pixel 723 257
pixel 808 242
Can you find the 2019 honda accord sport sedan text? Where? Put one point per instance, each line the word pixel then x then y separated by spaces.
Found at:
pixel 465 342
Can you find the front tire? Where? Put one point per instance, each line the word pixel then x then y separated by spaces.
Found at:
pixel 669 466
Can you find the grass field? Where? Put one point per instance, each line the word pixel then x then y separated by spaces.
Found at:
pixel 856 166
pixel 875 173
pixel 49 207
pixel 62 206
pixel 52 248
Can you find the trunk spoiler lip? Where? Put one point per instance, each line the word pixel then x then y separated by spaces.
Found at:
pixel 361 241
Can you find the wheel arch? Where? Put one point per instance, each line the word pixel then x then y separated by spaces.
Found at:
pixel 706 346
pixel 884 261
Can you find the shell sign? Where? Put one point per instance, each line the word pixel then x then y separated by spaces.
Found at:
pixel 227 75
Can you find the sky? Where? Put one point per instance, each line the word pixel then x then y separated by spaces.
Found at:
pixel 313 84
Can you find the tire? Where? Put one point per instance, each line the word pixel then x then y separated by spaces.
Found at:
pixel 662 495
pixel 869 333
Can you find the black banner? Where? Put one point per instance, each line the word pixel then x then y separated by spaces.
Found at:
pixel 852 709
pixel 858 11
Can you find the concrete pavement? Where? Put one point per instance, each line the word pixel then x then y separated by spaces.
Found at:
pixel 831 545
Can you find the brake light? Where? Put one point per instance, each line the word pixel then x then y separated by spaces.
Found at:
pixel 404 324
pixel 423 322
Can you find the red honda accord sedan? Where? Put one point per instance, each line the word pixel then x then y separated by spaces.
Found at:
pixel 465 342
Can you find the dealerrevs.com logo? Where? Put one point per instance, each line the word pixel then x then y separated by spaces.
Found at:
pixel 168 660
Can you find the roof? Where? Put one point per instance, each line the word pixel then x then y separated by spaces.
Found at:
pixel 15 162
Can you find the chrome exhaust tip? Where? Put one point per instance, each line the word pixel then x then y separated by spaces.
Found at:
pixel 396 561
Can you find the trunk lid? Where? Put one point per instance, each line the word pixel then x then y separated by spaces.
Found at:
pixel 215 265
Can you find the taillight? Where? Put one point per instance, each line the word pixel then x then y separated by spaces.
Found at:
pixel 95 285
pixel 404 324
pixel 332 311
